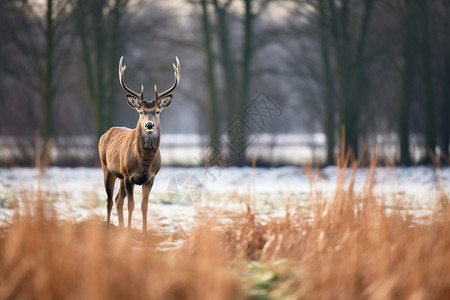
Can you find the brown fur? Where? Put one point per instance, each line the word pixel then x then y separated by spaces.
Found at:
pixel 132 155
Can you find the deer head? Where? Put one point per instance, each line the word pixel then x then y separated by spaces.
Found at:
pixel 149 110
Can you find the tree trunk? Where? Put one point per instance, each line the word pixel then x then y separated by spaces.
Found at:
pixel 236 96
pixel 247 53
pixel 328 121
pixel 81 12
pixel 430 115
pixel 351 70
pixel 445 131
pixel 227 61
pixel 99 46
pixel 111 86
pixel 445 111
pixel 347 110
pixel 247 56
pixel 95 57
pixel 340 14
pixel 408 70
pixel 214 119
pixel 48 91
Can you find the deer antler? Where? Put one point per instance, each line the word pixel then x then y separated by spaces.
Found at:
pixel 176 75
pixel 122 82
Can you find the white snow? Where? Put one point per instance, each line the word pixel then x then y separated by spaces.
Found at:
pixel 79 192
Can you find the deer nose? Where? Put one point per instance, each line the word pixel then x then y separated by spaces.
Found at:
pixel 149 126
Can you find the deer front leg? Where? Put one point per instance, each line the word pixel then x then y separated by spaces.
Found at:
pixel 109 180
pixel 119 202
pixel 129 187
pixel 146 188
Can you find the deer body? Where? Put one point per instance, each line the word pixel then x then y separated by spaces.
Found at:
pixel 140 163
pixel 132 155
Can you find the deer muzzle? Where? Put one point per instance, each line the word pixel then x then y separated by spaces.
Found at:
pixel 149 126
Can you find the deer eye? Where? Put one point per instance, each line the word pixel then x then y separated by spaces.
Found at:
pixel 157 112
pixel 141 113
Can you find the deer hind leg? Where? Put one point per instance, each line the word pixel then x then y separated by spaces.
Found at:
pixel 110 180
pixel 146 188
pixel 119 202
pixel 129 187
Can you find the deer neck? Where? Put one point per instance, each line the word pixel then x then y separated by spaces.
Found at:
pixel 147 143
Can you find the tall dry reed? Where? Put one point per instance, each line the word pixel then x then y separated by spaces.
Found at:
pixel 348 247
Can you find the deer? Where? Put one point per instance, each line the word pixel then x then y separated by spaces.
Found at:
pixel 132 155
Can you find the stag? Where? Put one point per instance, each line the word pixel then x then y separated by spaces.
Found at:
pixel 132 155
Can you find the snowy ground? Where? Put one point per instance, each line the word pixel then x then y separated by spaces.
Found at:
pixel 79 192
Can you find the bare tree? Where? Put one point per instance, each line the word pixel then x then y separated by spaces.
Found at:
pixel 427 79
pixel 36 41
pixel 328 84
pixel 342 38
pixel 214 117
pixel 98 24
pixel 48 78
pixel 235 60
pixel 408 69
pixel 445 80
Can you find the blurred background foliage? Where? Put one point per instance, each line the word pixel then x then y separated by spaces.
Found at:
pixel 372 75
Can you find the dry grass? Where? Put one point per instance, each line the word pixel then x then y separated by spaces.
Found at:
pixel 347 247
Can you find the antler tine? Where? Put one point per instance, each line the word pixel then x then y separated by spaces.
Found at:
pixel 178 68
pixel 176 74
pixel 124 86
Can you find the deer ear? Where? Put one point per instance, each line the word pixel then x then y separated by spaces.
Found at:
pixel 165 101
pixel 133 102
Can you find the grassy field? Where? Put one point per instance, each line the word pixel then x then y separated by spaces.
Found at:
pixel 349 246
